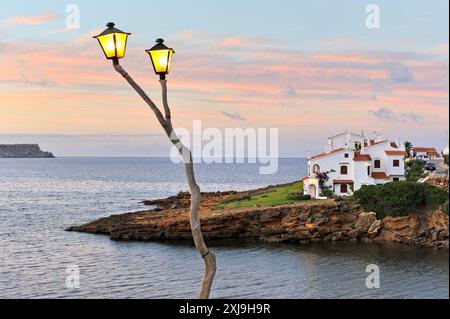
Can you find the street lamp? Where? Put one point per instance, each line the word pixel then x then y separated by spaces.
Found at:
pixel 161 57
pixel 113 43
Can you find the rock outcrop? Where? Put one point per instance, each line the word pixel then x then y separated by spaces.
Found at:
pixel 23 151
pixel 439 181
pixel 306 221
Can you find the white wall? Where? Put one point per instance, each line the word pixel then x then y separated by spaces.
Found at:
pixel 396 170
pixel 361 177
pixel 334 162
pixel 340 141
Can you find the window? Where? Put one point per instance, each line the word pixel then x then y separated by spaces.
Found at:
pixel 316 169
pixel 344 189
pixel 368 170
pixel 377 164
pixel 344 170
pixel 396 179
pixel 346 155
pixel 396 163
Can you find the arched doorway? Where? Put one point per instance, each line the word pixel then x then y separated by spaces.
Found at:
pixel 313 191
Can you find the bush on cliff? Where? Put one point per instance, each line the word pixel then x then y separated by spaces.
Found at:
pixel 415 170
pixel 298 196
pixel 400 199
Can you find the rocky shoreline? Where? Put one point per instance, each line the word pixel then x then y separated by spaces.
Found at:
pixel 304 222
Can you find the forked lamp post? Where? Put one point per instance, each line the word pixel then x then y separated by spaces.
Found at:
pixel 113 43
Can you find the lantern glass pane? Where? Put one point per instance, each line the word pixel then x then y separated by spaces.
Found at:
pixel 121 42
pixel 170 61
pixel 160 59
pixel 114 49
pixel 107 44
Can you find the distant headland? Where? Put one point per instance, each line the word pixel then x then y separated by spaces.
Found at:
pixel 23 151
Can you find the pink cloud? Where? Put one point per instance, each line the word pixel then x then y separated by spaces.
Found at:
pixel 30 20
pixel 334 88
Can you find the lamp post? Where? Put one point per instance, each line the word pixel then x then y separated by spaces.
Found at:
pixel 113 43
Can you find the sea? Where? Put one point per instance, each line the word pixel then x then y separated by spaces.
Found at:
pixel 39 198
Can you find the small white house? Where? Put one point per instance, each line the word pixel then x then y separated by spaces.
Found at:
pixel 425 153
pixel 351 161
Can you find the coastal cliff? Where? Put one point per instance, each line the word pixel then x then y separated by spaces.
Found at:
pixel 23 151
pixel 303 222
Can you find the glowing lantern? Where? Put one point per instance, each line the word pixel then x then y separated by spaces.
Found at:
pixel 161 57
pixel 113 42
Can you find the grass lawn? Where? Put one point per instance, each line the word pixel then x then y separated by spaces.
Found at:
pixel 273 197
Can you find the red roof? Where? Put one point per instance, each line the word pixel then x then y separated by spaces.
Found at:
pixel 326 154
pixel 379 175
pixel 373 143
pixel 430 151
pixel 342 181
pixel 399 153
pixel 361 157
pixel 424 149
pixel 433 154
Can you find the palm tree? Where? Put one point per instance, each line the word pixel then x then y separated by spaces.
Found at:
pixel 408 148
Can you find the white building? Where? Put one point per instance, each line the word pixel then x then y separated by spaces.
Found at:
pixel 425 153
pixel 351 161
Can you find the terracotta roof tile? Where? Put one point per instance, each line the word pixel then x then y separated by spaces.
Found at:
pixel 424 149
pixel 362 157
pixel 376 143
pixel 326 154
pixel 430 151
pixel 379 175
pixel 433 154
pixel 400 153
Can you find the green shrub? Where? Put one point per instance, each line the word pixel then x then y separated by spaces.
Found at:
pixel 327 193
pixel 415 170
pixel 298 196
pixel 434 197
pixel 400 199
pixel 236 198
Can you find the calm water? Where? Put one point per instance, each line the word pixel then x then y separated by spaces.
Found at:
pixel 39 198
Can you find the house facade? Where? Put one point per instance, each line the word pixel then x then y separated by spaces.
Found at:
pixel 425 153
pixel 350 161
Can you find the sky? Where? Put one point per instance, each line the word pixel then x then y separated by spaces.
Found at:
pixel 309 68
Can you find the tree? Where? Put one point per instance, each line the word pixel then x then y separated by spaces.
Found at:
pixel 408 148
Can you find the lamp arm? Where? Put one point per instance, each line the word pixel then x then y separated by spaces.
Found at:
pixel 208 256
pixel 164 99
